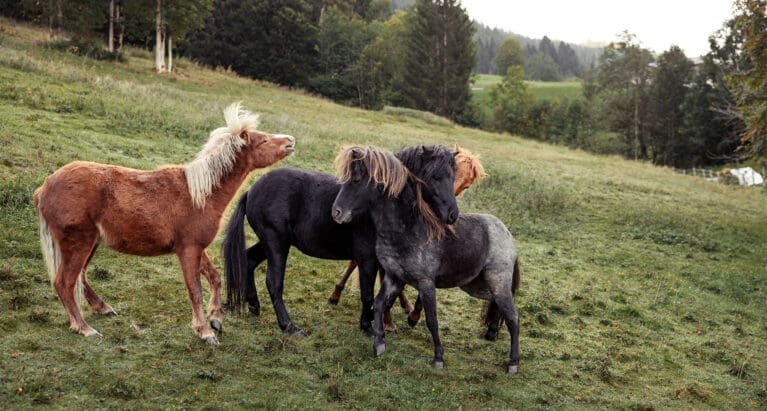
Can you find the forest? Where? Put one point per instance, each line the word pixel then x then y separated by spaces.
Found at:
pixel 667 109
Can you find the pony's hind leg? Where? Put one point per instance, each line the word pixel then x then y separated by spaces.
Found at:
pixel 256 255
pixel 506 306
pixel 277 255
pixel 415 314
pixel 336 296
pixel 491 317
pixel 96 303
pixel 214 280
pixel 190 258
pixel 75 254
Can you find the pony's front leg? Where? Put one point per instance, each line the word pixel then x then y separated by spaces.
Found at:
pixel 427 293
pixel 214 280
pixel 368 269
pixel 390 288
pixel 190 258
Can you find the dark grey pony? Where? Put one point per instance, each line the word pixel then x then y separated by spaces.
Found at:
pixel 291 207
pixel 415 248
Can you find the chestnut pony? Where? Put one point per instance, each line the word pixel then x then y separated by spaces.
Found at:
pixel 468 169
pixel 173 209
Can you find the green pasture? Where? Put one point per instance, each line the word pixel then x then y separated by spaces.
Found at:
pixel 541 90
pixel 641 288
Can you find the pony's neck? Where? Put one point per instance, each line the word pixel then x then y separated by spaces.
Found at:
pixel 398 218
pixel 230 183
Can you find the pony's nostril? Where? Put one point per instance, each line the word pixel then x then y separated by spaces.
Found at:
pixel 453 216
pixel 336 212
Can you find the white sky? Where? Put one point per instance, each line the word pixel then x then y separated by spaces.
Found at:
pixel 658 24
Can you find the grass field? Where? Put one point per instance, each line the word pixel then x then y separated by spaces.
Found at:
pixel 541 90
pixel 641 288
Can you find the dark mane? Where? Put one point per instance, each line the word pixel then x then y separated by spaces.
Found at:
pixel 427 159
pixel 392 172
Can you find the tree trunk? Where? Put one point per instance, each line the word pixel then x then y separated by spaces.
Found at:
pixel 121 26
pixel 50 17
pixel 170 52
pixel 60 18
pixel 111 35
pixel 159 52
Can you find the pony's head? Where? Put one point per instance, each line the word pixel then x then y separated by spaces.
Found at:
pixel 238 142
pixel 435 166
pixel 359 167
pixel 468 169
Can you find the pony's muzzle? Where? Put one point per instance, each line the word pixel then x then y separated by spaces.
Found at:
pixel 452 217
pixel 340 217
pixel 290 147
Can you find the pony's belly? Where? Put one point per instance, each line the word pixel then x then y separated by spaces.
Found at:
pixel 139 240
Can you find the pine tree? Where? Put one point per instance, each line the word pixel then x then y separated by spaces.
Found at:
pixel 439 57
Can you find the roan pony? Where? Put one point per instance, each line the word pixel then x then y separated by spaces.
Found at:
pixel 468 169
pixel 478 255
pixel 174 209
pixel 293 207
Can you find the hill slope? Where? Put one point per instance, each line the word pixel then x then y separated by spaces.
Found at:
pixel 641 288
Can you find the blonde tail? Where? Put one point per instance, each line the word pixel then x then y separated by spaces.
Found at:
pixel 52 255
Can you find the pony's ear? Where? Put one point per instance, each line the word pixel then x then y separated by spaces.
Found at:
pixel 455 153
pixel 427 150
pixel 246 136
pixel 456 148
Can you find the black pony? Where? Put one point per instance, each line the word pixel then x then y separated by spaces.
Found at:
pixel 293 207
pixel 479 256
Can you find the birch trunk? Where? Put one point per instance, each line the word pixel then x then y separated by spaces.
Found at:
pixel 159 54
pixel 170 52
pixel 111 36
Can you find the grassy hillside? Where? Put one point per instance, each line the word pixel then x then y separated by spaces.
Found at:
pixel 641 288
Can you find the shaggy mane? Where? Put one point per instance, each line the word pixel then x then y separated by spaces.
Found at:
pixel 204 173
pixel 386 169
pixel 465 156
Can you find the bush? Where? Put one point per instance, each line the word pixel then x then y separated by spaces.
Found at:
pixel 86 48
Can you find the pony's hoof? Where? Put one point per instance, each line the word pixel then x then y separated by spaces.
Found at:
pixel 379 349
pixel 369 332
pixel 438 364
pixel 412 322
pixel 255 309
pixel 216 325
pixel 333 301
pixel 512 369
pixel 93 334
pixel 491 335
pixel 295 331
pixel 112 313
pixel 390 328
pixel 212 340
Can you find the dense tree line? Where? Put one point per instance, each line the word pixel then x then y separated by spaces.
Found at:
pixel 420 54
pixel 662 109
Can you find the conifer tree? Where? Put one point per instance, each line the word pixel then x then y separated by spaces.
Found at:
pixel 439 57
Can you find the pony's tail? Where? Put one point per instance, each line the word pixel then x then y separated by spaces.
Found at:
pixel 51 250
pixel 515 278
pixel 235 256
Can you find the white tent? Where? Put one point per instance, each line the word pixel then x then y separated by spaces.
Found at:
pixel 747 176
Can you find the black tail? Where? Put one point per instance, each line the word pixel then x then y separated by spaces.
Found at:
pixel 235 256
pixel 515 278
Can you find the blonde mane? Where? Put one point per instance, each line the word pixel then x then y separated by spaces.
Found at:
pixel 465 156
pixel 204 173
pixel 383 168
